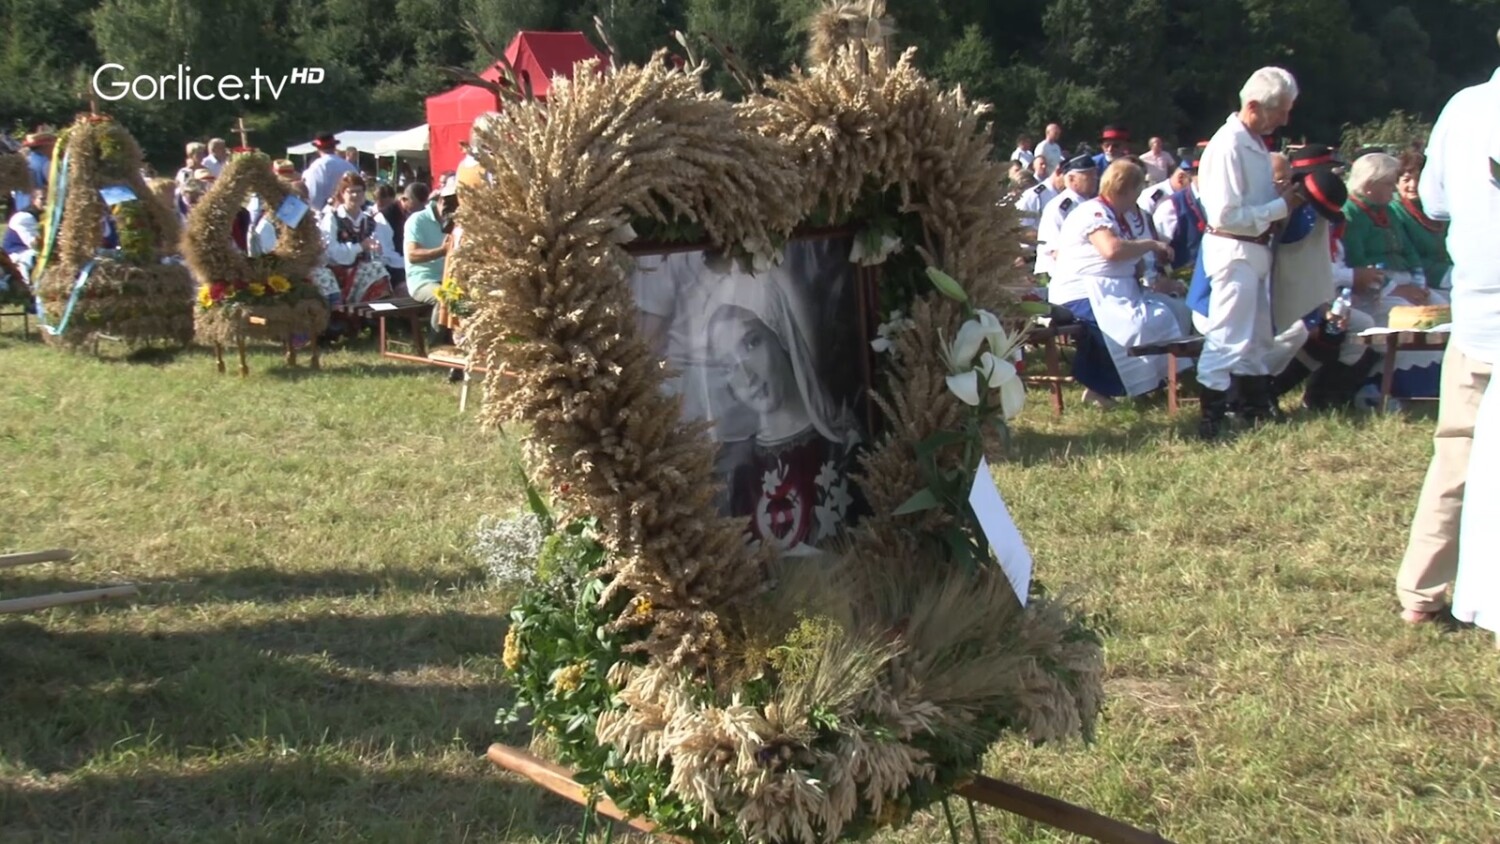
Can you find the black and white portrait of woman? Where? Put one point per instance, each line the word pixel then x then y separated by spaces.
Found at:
pixel 771 358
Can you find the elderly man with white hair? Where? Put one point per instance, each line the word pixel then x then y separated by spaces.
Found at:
pixel 1242 204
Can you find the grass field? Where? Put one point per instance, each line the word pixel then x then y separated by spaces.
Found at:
pixel 315 652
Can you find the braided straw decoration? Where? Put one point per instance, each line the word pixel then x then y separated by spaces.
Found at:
pixel 209 250
pixel 138 302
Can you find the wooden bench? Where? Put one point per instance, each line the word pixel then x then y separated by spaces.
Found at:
pixel 414 312
pixel 1391 342
pixel 20 311
pixel 1186 347
pixel 1048 337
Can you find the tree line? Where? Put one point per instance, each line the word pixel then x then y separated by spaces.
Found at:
pixel 1168 67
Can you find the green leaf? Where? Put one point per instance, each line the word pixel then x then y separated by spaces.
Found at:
pixel 1035 308
pixel 923 500
pixel 947 285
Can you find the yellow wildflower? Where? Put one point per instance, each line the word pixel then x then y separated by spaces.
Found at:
pixel 512 655
pixel 643 607
pixel 278 283
pixel 568 679
pixel 204 298
pixel 257 289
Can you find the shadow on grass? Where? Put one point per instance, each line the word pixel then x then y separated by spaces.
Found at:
pixel 296 797
pixel 258 584
pixel 366 685
pixel 357 370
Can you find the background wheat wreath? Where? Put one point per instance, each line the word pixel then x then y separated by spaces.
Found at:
pixel 267 296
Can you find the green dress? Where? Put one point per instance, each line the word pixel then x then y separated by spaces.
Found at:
pixel 1428 237
pixel 1373 237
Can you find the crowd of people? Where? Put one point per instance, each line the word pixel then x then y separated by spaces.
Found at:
pixel 376 242
pixel 1129 245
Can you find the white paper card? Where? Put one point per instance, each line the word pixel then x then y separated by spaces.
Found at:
pixel 1001 531
pixel 292 210
pixel 382 306
pixel 1445 328
pixel 116 194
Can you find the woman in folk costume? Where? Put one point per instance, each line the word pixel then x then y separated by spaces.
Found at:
pixel 1373 239
pixel 790 470
pixel 1101 250
pixel 1426 235
pixel 351 273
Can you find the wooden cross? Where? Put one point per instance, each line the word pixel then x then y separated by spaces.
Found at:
pixel 243 131
pixel 88 95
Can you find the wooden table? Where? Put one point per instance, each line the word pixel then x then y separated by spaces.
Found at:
pixel 1392 342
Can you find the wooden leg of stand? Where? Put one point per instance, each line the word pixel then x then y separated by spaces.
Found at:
pixel 291 352
pixel 1171 385
pixel 463 394
pixel 244 364
pixel 316 363
pixel 219 356
pixel 1388 374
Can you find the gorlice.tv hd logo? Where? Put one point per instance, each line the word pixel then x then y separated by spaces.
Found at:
pixel 112 82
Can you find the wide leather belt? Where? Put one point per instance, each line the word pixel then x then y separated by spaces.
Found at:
pixel 1262 239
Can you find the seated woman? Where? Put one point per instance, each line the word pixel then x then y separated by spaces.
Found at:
pixel 352 271
pixel 1427 236
pixel 1373 239
pixel 1106 244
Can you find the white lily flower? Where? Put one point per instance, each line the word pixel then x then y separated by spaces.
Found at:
pixel 881 345
pixel 965 385
pixel 1002 375
pixel 623 234
pixel 966 346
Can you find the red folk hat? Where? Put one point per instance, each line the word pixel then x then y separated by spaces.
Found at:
pixel 326 141
pixel 1310 157
pixel 1114 133
pixel 1327 193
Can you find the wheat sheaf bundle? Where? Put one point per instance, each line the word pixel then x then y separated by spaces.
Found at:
pixel 209 251
pixel 555 312
pixel 129 294
pixel 927 655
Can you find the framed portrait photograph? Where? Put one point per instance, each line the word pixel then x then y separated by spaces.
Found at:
pixel 778 360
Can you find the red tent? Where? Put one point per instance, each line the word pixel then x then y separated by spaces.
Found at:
pixel 536 56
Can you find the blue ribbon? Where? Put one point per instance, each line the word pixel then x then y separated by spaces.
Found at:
pixel 78 285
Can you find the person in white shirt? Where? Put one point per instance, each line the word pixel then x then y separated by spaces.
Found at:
pixel 1454 531
pixel 1242 203
pixel 1051 147
pixel 1082 184
pixel 1033 200
pixel 1023 152
pixel 218 156
pixel 322 176
pixel 1159 163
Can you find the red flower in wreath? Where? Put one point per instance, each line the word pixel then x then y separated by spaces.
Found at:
pixel 241 285
pixel 217 290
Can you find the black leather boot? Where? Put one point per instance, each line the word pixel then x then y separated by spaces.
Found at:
pixel 1255 399
pixel 1214 408
pixel 1335 384
pixel 1287 379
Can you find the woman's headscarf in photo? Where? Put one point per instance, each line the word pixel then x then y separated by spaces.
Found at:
pixel 772 298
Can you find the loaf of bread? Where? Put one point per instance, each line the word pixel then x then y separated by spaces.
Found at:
pixel 1420 317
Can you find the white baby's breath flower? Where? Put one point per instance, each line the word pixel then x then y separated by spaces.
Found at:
pixel 509 548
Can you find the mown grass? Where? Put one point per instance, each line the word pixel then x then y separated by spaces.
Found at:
pixel 314 655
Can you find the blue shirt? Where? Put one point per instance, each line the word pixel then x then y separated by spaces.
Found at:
pixel 425 231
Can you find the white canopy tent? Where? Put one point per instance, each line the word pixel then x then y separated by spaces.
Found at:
pixel 411 142
pixel 364 141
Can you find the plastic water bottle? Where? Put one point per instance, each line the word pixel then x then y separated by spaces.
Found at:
pixel 1419 277
pixel 1338 312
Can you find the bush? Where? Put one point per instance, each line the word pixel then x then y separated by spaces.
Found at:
pixel 1395 132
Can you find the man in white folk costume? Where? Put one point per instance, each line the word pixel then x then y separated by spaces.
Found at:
pixel 1082 182
pixel 1454 528
pixel 1242 203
